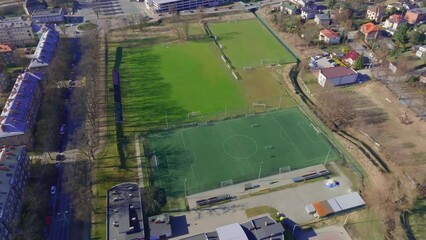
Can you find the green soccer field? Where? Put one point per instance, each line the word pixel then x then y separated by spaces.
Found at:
pixel 248 42
pixel 202 157
pixel 169 81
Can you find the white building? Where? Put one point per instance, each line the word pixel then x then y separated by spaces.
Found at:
pixel 48 15
pixel 328 36
pixel 421 52
pixel 393 22
pixel 16 31
pixel 160 6
pixel 336 76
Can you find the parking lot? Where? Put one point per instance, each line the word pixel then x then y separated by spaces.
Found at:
pixel 207 219
pixel 322 61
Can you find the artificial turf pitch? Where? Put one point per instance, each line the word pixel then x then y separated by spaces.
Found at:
pixel 172 80
pixel 248 42
pixel 200 158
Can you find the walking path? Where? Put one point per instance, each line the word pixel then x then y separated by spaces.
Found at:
pixel 139 160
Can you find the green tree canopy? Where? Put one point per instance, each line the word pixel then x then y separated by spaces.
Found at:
pixel 400 35
pixel 359 62
pixel 417 37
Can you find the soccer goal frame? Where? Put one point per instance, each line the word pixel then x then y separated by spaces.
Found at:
pixel 259 105
pixel 194 114
pixel 226 183
pixel 285 169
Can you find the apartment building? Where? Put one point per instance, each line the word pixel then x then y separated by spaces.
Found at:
pixel 14 172
pixel 16 31
pixel 20 111
pixel 160 6
pixel 48 15
pixel 45 51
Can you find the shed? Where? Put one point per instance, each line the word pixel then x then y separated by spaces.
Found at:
pixel 350 201
pixel 334 205
pixel 232 231
pixel 310 209
pixel 322 208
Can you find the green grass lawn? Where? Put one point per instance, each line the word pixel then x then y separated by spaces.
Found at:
pixel 247 42
pixel 234 149
pixel 162 82
pixel 418 219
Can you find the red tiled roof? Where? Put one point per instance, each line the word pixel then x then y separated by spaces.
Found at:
pixel 339 71
pixel 6 48
pixel 322 208
pixel 351 55
pixel 369 27
pixel 395 18
pixel 329 33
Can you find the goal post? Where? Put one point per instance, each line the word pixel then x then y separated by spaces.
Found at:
pixel 284 169
pixel 247 68
pixel 259 105
pixel 264 62
pixel 194 114
pixel 226 183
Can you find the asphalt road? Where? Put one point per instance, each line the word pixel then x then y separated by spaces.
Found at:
pixel 63 225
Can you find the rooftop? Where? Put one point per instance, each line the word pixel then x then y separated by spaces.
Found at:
pixel 124 212
pixel 369 27
pixel 4 48
pixel 395 18
pixel 334 72
pixel 257 229
pixel 375 8
pixel 13 118
pixel 418 10
pixel 322 16
pixel 329 33
pixel 159 225
pixel 13 22
pixel 351 55
pixel 288 5
pixel 232 231
pixel 9 157
pixel 46 12
pixel 45 51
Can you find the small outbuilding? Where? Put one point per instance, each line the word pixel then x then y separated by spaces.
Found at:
pixel 337 76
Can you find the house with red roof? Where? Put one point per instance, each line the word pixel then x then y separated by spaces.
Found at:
pixel 337 76
pixel 329 36
pixel 7 54
pixel 393 22
pixel 350 57
pixel 370 30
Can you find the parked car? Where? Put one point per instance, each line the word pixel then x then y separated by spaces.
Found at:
pixel 62 129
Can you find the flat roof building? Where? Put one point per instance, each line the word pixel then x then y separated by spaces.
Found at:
pixel 48 15
pixel 14 171
pixel 261 228
pixel 160 6
pixel 124 212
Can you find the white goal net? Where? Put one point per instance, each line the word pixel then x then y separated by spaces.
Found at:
pixel 226 183
pixel 284 169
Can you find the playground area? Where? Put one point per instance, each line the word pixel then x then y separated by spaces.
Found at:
pixel 211 155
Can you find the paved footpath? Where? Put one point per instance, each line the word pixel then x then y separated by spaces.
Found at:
pixel 139 160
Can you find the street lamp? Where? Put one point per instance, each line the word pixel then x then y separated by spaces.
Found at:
pixel 184 186
pixel 260 170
